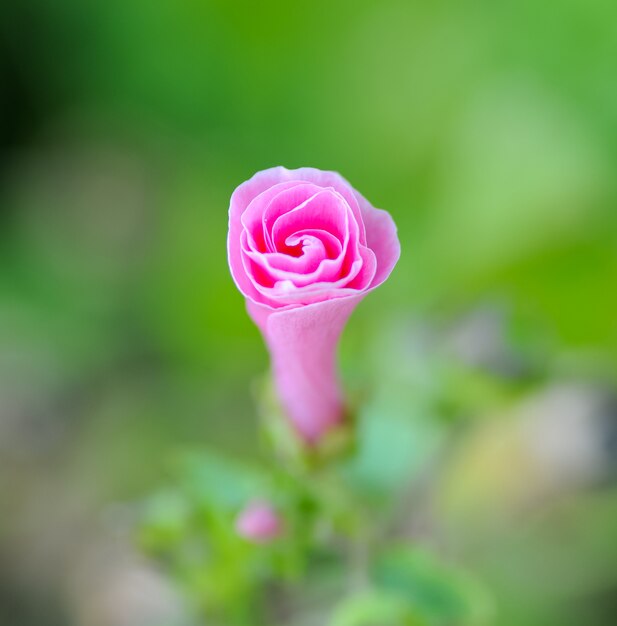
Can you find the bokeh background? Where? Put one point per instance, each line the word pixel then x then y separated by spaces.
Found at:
pixel 487 129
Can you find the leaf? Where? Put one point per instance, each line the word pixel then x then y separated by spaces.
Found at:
pixel 374 608
pixel 442 595
pixel 387 452
pixel 166 516
pixel 216 482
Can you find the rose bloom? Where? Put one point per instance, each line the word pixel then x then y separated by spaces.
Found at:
pixel 304 248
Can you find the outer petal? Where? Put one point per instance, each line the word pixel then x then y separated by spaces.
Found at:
pixel 335 180
pixel 240 199
pixel 286 292
pixel 269 204
pixel 381 239
pixel 302 342
pixel 251 188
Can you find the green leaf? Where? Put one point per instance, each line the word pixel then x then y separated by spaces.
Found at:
pixel 374 608
pixel 165 520
pixel 442 595
pixel 219 483
pixel 388 451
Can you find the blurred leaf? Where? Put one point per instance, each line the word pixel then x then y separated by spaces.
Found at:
pixel 166 519
pixel 440 594
pixel 385 452
pixel 216 482
pixel 374 608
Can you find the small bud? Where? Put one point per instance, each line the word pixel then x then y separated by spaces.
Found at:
pixel 259 523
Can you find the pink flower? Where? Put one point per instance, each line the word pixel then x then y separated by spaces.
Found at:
pixel 259 523
pixel 304 248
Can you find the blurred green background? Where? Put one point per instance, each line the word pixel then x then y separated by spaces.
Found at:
pixel 487 129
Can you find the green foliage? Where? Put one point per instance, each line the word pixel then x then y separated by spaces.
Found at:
pixel 374 608
pixel 442 596
pixel 326 499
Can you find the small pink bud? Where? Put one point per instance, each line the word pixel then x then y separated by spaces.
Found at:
pixel 259 523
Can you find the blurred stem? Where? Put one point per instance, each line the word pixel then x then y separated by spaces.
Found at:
pixel 359 562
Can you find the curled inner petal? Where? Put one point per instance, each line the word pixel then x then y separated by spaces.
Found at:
pixel 270 204
pixel 306 240
pixel 326 210
pixel 302 243
pixel 312 266
pixel 282 203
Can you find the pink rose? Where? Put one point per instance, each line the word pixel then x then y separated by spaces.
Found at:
pixel 304 248
pixel 259 523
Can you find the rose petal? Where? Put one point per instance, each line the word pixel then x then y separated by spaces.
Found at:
pixel 330 245
pixel 382 239
pixel 270 204
pixel 284 202
pixel 336 181
pixel 302 342
pixel 252 218
pixel 286 292
pixel 317 246
pixel 367 272
pixel 325 210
